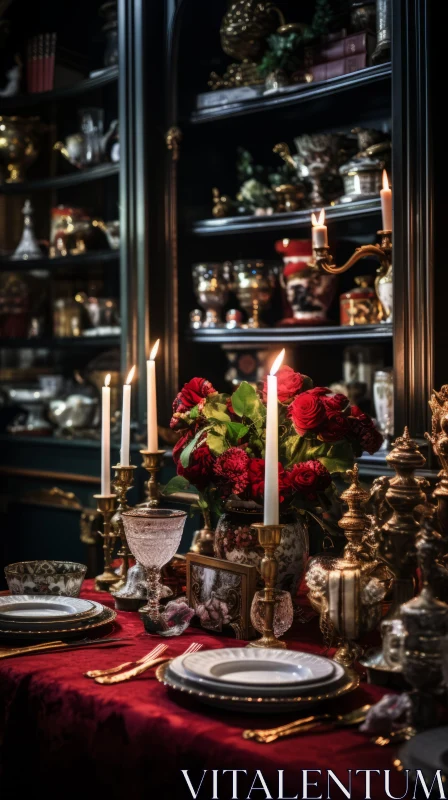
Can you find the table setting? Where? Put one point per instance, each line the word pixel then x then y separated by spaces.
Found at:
pixel 174 667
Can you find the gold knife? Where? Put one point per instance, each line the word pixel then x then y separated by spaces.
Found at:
pixel 9 652
pixel 306 724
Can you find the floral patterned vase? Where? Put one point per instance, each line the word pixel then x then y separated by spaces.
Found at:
pixel 236 542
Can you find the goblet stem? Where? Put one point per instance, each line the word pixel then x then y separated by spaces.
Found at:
pixel 154 587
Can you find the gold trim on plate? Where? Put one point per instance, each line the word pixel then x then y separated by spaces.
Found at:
pixel 351 684
pixel 108 617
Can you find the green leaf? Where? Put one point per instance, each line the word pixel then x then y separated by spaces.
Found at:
pixel 194 413
pixel 176 484
pixel 187 451
pixel 215 410
pixel 216 443
pixel 236 431
pixel 246 403
pixel 338 457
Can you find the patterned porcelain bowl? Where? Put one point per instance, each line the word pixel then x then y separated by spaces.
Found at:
pixel 45 577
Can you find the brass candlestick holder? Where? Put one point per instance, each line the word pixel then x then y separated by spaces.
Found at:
pixel 124 478
pixel 106 506
pixel 152 462
pixel 269 537
pixel 399 533
pixel 382 252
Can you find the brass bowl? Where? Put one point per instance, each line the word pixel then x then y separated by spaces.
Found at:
pixel 18 145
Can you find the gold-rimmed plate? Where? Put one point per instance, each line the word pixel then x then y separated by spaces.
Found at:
pixel 253 704
pixel 72 621
pixel 104 620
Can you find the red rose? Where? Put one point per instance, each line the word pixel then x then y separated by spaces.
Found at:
pixel 289 383
pixel 256 480
pixel 307 412
pixel 320 391
pixel 200 468
pixel 363 431
pixel 336 428
pixel 192 393
pixel 231 471
pixel 309 478
pixel 336 402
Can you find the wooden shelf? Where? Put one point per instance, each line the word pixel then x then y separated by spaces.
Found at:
pixel 62 181
pixel 292 220
pixel 302 93
pixel 109 75
pixel 68 343
pixel 83 260
pixel 330 334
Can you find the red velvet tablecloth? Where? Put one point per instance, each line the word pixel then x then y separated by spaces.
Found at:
pixel 66 736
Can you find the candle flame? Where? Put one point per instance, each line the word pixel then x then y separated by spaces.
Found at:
pixel 154 350
pixel 285 242
pixel 385 180
pixel 131 375
pixel 278 362
pixel 107 379
pixel 320 220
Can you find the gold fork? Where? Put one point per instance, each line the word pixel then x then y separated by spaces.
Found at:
pixel 156 651
pixel 265 736
pixel 108 680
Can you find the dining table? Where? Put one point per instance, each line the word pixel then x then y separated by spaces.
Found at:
pixel 64 735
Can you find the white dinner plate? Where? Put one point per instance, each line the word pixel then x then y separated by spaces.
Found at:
pixel 258 704
pixel 35 607
pixel 259 666
pixel 45 623
pixel 98 625
pixel 178 671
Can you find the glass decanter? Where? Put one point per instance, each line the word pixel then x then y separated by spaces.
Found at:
pixel 153 536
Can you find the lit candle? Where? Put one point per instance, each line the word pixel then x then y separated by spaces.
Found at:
pixel 126 421
pixel 271 506
pixel 105 437
pixel 153 439
pixel 319 230
pixel 386 203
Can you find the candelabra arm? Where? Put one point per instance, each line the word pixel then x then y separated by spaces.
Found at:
pixel 324 259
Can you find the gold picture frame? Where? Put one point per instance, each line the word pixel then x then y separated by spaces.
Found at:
pixel 221 601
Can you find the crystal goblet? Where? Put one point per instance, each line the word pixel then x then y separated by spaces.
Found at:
pixel 211 285
pixel 283 612
pixel 153 536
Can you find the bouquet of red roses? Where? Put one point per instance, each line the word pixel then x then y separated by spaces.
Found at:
pixel 221 443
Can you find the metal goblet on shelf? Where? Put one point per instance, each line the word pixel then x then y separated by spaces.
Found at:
pixel 211 286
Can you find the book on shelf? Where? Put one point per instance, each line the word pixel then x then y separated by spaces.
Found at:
pixel 340 56
pixel 342 66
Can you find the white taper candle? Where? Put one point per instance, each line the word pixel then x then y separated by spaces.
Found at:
pixel 271 502
pixel 386 203
pixel 126 421
pixel 105 437
pixel 153 439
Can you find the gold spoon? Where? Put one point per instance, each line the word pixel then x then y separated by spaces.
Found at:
pixel 306 724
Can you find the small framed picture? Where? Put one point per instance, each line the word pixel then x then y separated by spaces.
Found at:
pixel 221 595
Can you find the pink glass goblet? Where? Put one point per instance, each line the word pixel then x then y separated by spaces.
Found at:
pixel 153 536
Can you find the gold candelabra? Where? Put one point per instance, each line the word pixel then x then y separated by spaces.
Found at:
pixel 152 462
pixel 124 478
pixel 382 252
pixel 269 537
pixel 108 578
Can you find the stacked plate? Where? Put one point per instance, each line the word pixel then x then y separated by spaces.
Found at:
pixel 257 680
pixel 48 617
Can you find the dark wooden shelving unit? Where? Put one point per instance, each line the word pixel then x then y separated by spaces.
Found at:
pixel 62 181
pixel 108 76
pixel 291 335
pixel 64 343
pixel 288 221
pixel 297 95
pixel 76 262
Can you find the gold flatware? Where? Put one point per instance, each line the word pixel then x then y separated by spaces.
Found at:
pixel 139 670
pixel 154 653
pixel 9 652
pixel 395 737
pixel 306 724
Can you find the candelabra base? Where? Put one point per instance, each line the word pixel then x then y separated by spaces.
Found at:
pixel 106 581
pixel 347 653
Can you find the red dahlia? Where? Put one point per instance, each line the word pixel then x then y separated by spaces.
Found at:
pixel 231 471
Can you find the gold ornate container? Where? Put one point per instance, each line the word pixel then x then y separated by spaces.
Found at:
pixel 18 146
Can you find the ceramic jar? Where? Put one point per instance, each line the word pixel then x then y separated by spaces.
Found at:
pixel 309 293
pixel 235 541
